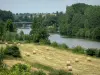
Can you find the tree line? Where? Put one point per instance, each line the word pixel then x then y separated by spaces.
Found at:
pixel 79 20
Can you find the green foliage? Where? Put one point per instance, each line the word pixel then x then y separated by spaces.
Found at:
pixel 17 69
pixel 98 53
pixel 12 51
pixel 10 36
pixel 38 73
pixel 78 49
pixel 5 15
pixel 1 55
pixel 54 44
pixel 21 36
pixel 9 26
pixel 80 20
pixel 38 30
pixel 21 67
pixel 91 51
pixel 96 33
pixel 44 67
pixel 44 41
pixel 40 34
pixel 2 28
pixel 60 72
pixel 64 46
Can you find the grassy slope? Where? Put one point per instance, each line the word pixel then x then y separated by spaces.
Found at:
pixel 57 59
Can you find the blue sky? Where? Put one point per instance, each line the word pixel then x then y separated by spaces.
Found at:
pixel 41 6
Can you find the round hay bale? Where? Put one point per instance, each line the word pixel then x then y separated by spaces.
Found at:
pixel 27 54
pixel 76 60
pixel 34 52
pixel 69 68
pixel 6 43
pixel 89 59
pixel 47 48
pixel 68 63
pixel 18 44
pixel 15 43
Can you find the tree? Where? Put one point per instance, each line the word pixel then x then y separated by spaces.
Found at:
pixel 38 30
pixel 10 26
pixel 96 33
pixel 5 15
pixel 2 29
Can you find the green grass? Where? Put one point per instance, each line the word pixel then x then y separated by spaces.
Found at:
pixel 44 67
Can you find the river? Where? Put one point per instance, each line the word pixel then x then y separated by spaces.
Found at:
pixel 71 42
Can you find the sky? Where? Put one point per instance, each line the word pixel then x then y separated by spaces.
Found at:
pixel 41 6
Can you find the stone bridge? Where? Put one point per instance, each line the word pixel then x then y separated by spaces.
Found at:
pixel 23 24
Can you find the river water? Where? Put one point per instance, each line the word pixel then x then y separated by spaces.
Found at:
pixel 71 42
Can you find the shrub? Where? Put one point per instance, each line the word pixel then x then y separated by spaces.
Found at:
pixel 44 41
pixel 97 53
pixel 10 36
pixel 60 72
pixel 38 73
pixel 63 46
pixel 1 55
pixel 54 44
pixel 21 67
pixel 12 51
pixel 91 51
pixel 17 69
pixel 78 49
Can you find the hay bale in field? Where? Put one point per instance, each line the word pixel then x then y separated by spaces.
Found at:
pixel 15 43
pixel 69 68
pixel 27 54
pixel 76 60
pixel 18 44
pixel 68 63
pixel 6 43
pixel 47 48
pixel 34 52
pixel 89 59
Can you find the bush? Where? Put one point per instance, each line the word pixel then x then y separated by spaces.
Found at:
pixel 78 49
pixel 91 51
pixel 12 51
pixel 21 67
pixel 54 44
pixel 60 72
pixel 63 46
pixel 1 55
pixel 38 73
pixel 17 69
pixel 97 53
pixel 10 36
pixel 44 41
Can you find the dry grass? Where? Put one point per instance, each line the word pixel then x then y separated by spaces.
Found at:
pixel 57 59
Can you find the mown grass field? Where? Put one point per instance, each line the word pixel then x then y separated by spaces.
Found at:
pixel 56 59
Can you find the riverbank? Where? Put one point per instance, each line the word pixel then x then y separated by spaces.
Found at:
pixel 73 42
pixel 56 58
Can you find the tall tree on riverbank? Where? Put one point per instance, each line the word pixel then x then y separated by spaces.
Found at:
pixel 38 30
